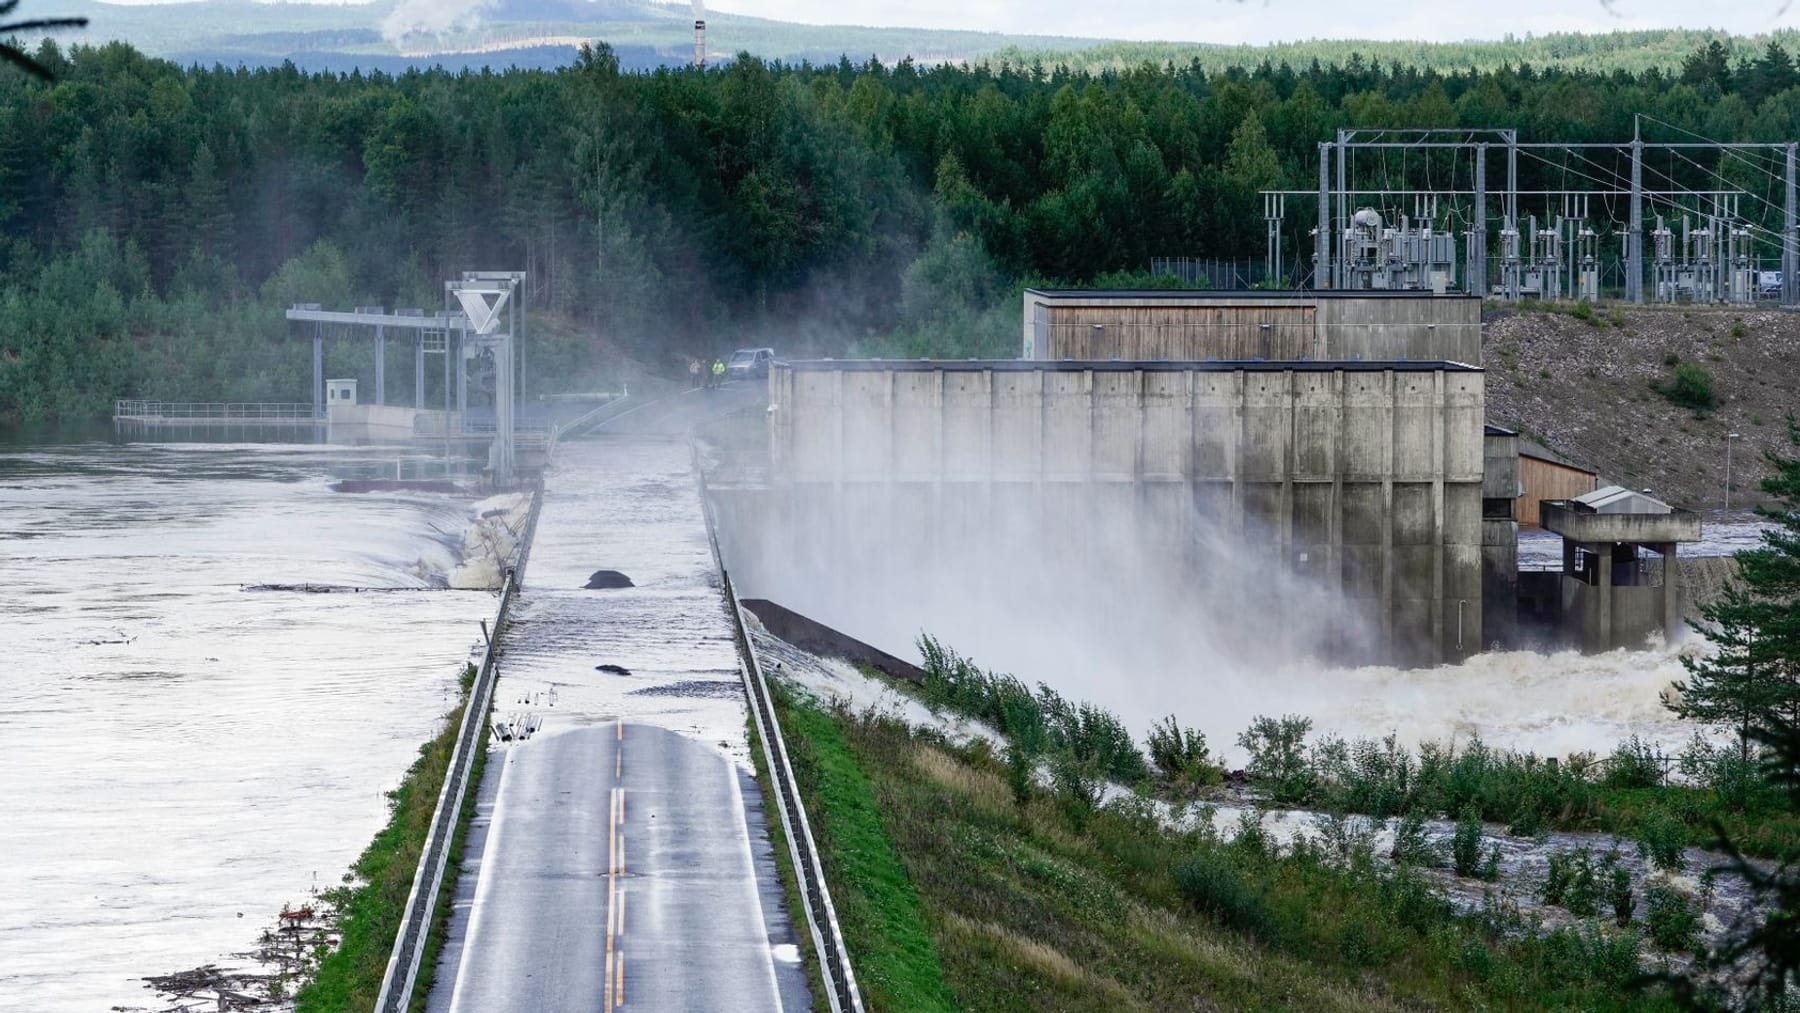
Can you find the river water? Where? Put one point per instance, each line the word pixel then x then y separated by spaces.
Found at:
pixel 182 756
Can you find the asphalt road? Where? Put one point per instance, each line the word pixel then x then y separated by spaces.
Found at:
pixel 612 881
pixel 619 859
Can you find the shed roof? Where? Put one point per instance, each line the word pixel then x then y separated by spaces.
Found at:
pixel 1616 499
pixel 1538 452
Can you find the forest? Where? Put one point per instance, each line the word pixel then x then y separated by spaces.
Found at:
pixel 156 219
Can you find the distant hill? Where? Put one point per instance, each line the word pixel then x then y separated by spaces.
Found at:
pixel 545 33
pixel 1634 52
pixel 525 33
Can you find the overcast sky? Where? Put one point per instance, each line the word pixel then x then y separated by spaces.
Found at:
pixel 1228 21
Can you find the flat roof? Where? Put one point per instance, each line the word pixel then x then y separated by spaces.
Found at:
pixel 1101 294
pixel 1125 365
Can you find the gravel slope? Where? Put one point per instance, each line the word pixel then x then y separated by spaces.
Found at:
pixel 1583 388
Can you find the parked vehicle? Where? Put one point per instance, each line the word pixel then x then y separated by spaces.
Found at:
pixel 1768 283
pixel 749 363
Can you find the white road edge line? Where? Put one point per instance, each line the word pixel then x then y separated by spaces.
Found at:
pixel 484 882
pixel 751 885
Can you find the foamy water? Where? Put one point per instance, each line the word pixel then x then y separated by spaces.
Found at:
pixel 183 756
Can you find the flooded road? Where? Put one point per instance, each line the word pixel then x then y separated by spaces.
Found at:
pixel 619 852
pixel 183 757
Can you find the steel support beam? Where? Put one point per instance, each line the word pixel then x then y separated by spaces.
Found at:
pixel 1634 239
pixel 318 373
pixel 1477 269
pixel 1790 236
pixel 1322 238
pixel 1343 214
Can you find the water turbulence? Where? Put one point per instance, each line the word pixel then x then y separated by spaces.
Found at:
pixel 1188 616
pixel 185 757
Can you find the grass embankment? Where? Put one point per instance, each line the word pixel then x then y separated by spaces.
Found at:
pixel 372 902
pixel 960 885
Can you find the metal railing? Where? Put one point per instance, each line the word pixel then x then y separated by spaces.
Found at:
pixel 402 975
pixel 815 896
pixel 232 411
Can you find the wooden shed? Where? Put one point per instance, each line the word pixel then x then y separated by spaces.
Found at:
pixel 1545 474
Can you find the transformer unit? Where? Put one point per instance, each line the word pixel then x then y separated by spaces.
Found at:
pixel 1407 258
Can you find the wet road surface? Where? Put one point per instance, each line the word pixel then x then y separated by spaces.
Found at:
pixel 619 858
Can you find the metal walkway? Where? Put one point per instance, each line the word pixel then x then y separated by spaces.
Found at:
pixel 619 858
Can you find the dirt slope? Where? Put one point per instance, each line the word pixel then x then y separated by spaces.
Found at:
pixel 1583 387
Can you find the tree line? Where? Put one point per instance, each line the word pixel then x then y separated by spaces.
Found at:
pixel 155 219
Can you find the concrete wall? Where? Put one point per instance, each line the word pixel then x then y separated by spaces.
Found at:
pixel 1285 326
pixel 1637 613
pixel 1366 479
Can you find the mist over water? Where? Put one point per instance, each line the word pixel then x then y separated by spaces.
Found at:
pixel 178 750
pixel 1184 617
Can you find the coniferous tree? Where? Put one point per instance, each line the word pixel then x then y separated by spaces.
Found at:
pixel 1755 678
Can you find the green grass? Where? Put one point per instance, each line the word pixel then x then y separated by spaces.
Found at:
pixel 373 899
pixel 956 894
pixel 891 945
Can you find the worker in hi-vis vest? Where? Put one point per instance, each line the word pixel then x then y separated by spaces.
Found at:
pixel 718 372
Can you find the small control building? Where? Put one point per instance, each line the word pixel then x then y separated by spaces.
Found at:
pixel 1614 593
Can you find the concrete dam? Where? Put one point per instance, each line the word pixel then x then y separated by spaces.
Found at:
pixel 1242 497
pixel 1360 479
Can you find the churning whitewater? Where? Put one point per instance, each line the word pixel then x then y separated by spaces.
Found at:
pixel 185 756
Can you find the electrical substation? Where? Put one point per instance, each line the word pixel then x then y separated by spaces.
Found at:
pixel 1485 213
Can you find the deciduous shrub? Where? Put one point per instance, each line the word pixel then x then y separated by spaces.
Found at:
pixel 1690 387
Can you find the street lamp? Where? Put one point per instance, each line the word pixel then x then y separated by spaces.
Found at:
pixel 1728 438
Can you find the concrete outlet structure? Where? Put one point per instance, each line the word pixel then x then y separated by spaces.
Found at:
pixel 1365 478
pixel 1610 597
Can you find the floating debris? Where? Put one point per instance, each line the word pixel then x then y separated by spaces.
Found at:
pixel 715 689
pixel 331 588
pixel 613 669
pixel 395 485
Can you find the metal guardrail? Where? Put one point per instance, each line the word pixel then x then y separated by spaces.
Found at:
pixel 232 411
pixel 815 896
pixel 402 975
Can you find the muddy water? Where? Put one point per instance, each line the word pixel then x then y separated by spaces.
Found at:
pixel 181 756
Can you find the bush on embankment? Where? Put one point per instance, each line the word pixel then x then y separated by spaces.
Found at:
pixel 956 890
pixel 1626 793
pixel 373 900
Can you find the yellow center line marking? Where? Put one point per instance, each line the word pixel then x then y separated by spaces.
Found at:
pixel 619 991
pixel 615 811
